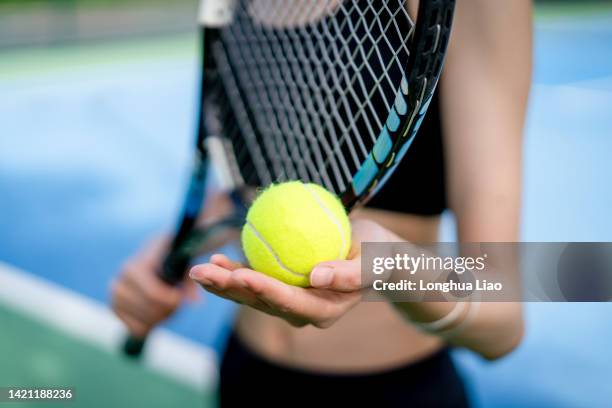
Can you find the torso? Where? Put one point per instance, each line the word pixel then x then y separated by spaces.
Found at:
pixel 372 336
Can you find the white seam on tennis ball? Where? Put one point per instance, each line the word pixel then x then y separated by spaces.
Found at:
pixel 330 215
pixel 269 248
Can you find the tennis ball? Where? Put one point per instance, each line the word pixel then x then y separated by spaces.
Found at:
pixel 293 226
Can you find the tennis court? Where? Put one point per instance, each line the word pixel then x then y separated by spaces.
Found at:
pixel 77 349
pixel 94 153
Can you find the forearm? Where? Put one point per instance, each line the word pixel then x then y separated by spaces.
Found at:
pixel 485 88
pixel 490 329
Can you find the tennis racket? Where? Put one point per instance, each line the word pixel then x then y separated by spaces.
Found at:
pixel 325 91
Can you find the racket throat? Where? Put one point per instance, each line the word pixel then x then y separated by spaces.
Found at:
pixel 216 13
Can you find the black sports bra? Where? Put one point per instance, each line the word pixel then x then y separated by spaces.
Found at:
pixel 418 184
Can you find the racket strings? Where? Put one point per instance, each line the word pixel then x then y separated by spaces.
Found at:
pixel 273 99
pixel 376 75
pixel 236 126
pixel 311 86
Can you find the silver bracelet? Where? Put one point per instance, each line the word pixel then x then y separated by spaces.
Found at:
pixel 443 323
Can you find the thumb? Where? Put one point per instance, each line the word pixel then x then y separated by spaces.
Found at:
pixel 343 276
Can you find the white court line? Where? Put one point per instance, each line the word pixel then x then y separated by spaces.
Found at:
pixel 167 353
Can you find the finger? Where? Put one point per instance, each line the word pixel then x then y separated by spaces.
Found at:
pixel 219 281
pixel 148 286
pixel 288 301
pixel 344 276
pixel 135 306
pixel 239 296
pixel 212 275
pixel 135 326
pixel 224 262
pixel 229 284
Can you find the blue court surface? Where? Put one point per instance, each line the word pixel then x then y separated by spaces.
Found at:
pixel 95 145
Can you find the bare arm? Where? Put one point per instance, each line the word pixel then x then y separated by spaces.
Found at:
pixel 485 88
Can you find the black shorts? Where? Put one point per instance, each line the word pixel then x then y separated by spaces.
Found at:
pixel 249 380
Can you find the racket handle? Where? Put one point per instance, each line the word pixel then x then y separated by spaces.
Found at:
pixel 134 346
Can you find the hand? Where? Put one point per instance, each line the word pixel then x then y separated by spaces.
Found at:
pixel 336 285
pixel 139 298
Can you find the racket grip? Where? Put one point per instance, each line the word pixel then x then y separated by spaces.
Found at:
pixel 134 346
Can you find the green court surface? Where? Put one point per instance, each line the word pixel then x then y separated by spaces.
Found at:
pixel 51 337
pixel 36 355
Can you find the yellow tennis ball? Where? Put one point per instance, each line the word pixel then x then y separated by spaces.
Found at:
pixel 293 226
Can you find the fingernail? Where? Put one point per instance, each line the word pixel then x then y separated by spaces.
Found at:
pixel 321 277
pixel 198 275
pixel 195 273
